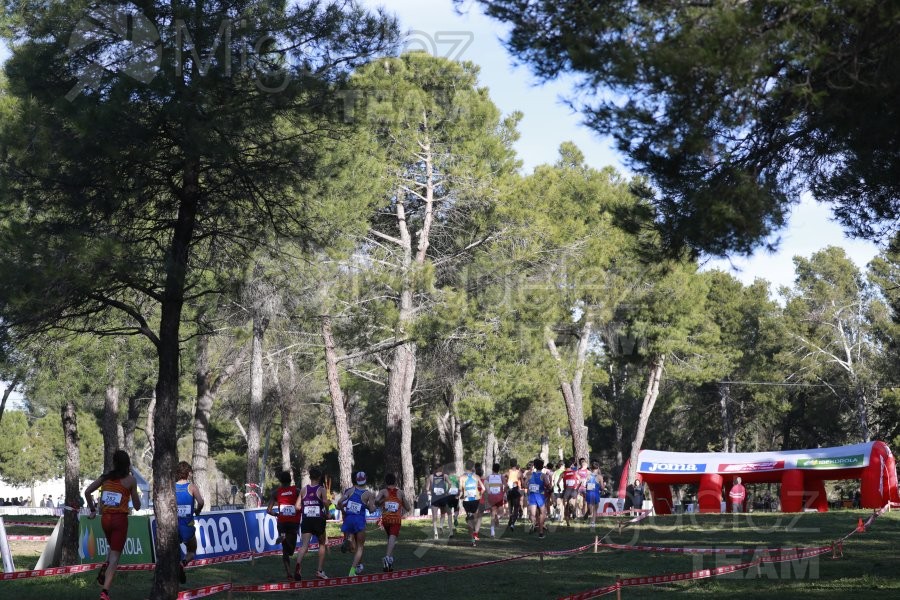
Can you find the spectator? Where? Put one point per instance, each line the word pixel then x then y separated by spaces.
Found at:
pixel 638 494
pixel 737 496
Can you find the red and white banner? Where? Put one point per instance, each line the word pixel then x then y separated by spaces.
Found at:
pixel 28 538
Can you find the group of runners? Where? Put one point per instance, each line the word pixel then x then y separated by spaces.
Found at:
pixel 304 509
pixel 575 489
pixel 301 512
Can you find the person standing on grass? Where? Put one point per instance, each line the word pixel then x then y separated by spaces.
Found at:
pixel 737 495
pixel 495 485
pixel 393 504
pixel 288 519
pixel 354 503
pixel 311 505
pixel 190 503
pixel 117 488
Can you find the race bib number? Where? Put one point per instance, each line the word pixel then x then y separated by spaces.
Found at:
pixel 570 483
pixel 495 489
pixel 534 488
pixel 392 507
pixel 185 510
pixel 287 510
pixel 438 491
pixel 591 486
pixel 454 491
pixel 312 511
pixel 109 498
pixel 354 507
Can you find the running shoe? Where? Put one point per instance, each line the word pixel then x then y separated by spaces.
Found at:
pixel 540 536
pixel 475 536
pixel 435 535
pixel 352 572
pixel 359 569
pixel 104 595
pixel 321 575
pixel 391 564
pixel 385 564
pixel 101 576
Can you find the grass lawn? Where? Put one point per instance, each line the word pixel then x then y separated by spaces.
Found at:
pixel 870 566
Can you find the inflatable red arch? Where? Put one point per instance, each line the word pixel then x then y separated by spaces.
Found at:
pixel 801 473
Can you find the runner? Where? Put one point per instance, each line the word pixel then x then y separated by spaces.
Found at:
pixel 559 505
pixel 117 487
pixel 473 488
pixel 453 501
pixel 354 503
pixel 311 503
pixel 514 495
pixel 393 504
pixel 285 498
pixel 593 487
pixel 583 474
pixel 538 495
pixel 190 503
pixel 570 492
pixel 439 485
pixel 495 485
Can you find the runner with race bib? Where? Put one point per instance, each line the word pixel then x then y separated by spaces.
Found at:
pixel 282 506
pixel 354 503
pixel 496 492
pixel 190 503
pixel 310 507
pixel 393 504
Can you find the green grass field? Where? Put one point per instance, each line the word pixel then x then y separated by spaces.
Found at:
pixel 870 567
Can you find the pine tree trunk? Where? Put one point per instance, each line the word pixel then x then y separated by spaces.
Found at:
pixel 168 345
pixel 571 391
pixel 73 490
pixel 134 413
pixel 338 408
pixel 207 387
pixel 490 450
pixel 256 401
pixel 110 425
pixel 151 419
pixel 650 396
pixel 408 478
pixel 545 448
pixel 729 444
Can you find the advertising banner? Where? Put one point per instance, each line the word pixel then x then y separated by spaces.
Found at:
pixel 218 534
pixel 93 547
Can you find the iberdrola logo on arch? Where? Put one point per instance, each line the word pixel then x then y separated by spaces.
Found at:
pixel 87 549
pixel 832 462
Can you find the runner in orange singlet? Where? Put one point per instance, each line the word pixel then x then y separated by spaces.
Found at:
pixel 393 504
pixel 117 487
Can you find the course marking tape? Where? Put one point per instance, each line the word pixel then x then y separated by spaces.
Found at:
pixel 204 591
pixel 28 538
pixel 338 581
pixel 48 572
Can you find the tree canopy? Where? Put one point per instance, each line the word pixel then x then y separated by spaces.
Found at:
pixel 734 108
